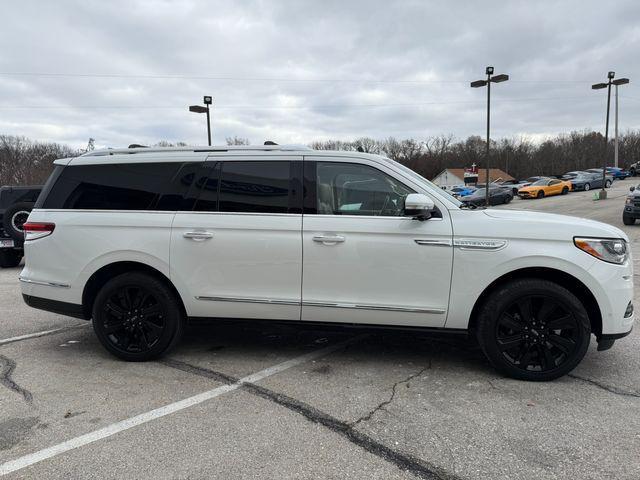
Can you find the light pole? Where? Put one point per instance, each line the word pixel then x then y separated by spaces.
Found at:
pixel 599 86
pixel 620 81
pixel 481 83
pixel 208 100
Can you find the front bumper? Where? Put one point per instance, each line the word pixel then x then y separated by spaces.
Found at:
pixel 632 210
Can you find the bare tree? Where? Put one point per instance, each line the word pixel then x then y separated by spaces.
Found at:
pixel 238 141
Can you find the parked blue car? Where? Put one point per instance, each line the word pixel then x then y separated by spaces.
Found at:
pixel 459 192
pixel 615 172
pixel 618 173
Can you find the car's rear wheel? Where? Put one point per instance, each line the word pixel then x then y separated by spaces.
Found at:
pixel 565 190
pixel 628 219
pixel 137 317
pixel 507 198
pixel 533 329
pixel 540 194
pixel 10 258
pixel 587 187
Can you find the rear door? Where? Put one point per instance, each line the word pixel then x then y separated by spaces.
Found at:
pixel 238 254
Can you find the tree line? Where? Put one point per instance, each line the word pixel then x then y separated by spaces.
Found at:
pixel 27 162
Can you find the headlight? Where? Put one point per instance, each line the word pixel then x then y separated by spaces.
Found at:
pixel 612 250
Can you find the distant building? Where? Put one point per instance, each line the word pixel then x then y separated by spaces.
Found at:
pixel 459 176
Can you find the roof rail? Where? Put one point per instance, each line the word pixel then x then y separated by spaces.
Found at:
pixel 218 148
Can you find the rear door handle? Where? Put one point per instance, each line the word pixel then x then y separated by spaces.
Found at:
pixel 329 239
pixel 198 236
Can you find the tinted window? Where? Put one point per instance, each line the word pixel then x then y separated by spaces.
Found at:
pixel 352 189
pixel 177 192
pixel 136 186
pixel 254 187
pixel 206 186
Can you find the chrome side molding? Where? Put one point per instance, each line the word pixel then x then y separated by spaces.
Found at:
pixel 46 284
pixel 268 301
pixel 276 301
pixel 434 242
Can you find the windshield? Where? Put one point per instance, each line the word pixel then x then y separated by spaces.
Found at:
pixel 539 183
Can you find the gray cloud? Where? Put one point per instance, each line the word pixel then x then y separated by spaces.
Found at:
pixel 298 71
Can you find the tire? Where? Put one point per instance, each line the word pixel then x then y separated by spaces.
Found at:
pixel 565 190
pixel 516 325
pixel 632 172
pixel 10 258
pixel 137 338
pixel 540 194
pixel 607 184
pixel 587 187
pixel 628 219
pixel 507 199
pixel 14 217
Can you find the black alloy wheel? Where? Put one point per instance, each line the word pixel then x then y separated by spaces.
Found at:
pixel 533 329
pixel 565 190
pixel 540 194
pixel 137 317
pixel 537 333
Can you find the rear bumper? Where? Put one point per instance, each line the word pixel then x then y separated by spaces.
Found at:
pixel 55 306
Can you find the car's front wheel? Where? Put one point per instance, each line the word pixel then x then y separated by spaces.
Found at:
pixel 533 329
pixel 607 184
pixel 540 194
pixel 587 187
pixel 137 317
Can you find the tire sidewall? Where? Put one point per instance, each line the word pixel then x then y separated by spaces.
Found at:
pixel 8 217
pixel 172 314
pixel 504 296
pixel 587 187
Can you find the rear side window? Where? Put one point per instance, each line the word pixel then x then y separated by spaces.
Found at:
pixel 262 187
pixel 130 186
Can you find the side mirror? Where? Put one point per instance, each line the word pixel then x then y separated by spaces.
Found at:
pixel 631 189
pixel 418 206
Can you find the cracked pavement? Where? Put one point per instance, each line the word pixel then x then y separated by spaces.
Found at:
pixel 390 405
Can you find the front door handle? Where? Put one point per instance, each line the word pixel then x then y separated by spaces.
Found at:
pixel 329 239
pixel 198 236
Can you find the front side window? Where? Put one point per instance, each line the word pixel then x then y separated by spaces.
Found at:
pixel 353 189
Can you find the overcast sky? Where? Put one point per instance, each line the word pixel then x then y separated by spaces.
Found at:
pixel 298 71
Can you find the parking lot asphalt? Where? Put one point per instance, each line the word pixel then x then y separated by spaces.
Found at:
pixel 238 401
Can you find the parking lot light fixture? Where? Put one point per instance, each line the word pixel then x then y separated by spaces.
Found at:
pixel 481 83
pixel 207 100
pixel 600 86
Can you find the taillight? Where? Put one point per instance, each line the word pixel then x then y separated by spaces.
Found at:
pixel 35 230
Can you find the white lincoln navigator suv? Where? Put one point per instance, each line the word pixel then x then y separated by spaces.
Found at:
pixel 143 240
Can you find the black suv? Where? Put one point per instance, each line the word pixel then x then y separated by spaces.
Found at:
pixel 15 205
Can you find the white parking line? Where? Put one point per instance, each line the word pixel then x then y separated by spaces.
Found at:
pixel 32 458
pixel 36 334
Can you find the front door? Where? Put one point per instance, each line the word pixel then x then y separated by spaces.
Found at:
pixel 364 262
pixel 238 253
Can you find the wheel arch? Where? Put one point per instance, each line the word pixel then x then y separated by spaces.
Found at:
pixel 97 280
pixel 563 279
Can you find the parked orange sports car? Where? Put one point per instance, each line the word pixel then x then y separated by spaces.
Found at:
pixel 545 187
